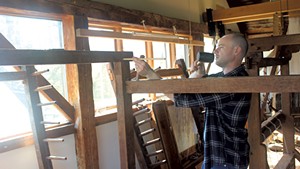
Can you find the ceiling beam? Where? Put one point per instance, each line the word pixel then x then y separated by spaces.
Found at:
pixel 255 12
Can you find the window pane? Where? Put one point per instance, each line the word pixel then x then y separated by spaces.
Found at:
pixel 30 33
pixel 102 88
pixel 14 113
pixel 136 46
pixel 161 50
pixel 182 52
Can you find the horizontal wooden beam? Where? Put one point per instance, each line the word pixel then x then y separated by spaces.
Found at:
pixel 285 161
pixel 135 36
pixel 217 85
pixel 11 76
pixel 267 43
pixel 255 12
pixel 40 57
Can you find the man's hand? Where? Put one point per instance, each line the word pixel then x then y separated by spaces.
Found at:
pixel 144 69
pixel 197 70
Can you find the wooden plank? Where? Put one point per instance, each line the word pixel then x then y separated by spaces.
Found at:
pixel 217 85
pixel 36 117
pixel 258 11
pixel 124 116
pixel 258 153
pixel 80 87
pixel 119 35
pixel 267 43
pixel 106 118
pixel 12 76
pixel 58 56
pixel 284 162
pixel 167 136
pixel 287 127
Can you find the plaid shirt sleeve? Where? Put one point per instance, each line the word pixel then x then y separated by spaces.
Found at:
pixel 214 100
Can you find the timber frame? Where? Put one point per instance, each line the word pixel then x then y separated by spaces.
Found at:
pixel 125 88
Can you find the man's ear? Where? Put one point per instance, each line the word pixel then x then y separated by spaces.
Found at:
pixel 237 50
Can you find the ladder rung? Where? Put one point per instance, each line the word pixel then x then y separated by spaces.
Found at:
pixel 49 122
pixel 147 132
pixel 54 139
pixel 41 88
pixel 158 163
pixel 141 111
pixel 143 121
pixel 56 158
pixel 39 72
pixel 151 142
pixel 155 153
pixel 46 104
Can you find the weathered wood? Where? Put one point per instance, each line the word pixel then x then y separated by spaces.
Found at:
pixel 218 85
pixel 124 116
pixel 12 76
pixel 254 12
pixel 58 56
pixel 284 162
pixel 288 129
pixel 80 87
pixel 258 153
pixel 267 43
pixel 117 35
pixel 36 116
pixel 270 125
pixel 103 11
pixel 168 140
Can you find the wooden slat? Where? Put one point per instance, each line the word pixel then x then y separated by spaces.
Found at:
pixel 40 57
pixel 284 162
pixel 124 116
pixel 36 116
pixel 11 76
pixel 258 153
pixel 117 35
pixel 297 154
pixel 287 127
pixel 106 118
pixel 80 87
pixel 255 12
pixel 218 85
pixel 167 136
pixel 267 43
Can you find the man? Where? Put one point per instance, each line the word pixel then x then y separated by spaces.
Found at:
pixel 225 136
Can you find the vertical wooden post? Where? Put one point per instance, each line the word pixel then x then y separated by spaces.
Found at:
pixel 80 88
pixel 288 125
pixel 124 116
pixel 258 153
pixel 36 116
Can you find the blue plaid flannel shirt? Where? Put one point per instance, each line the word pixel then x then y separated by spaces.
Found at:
pixel 225 136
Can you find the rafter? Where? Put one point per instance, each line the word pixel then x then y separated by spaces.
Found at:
pixel 255 12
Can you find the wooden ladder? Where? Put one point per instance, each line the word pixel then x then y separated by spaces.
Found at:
pixel 37 121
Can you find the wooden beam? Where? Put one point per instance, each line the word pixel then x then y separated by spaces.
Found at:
pixel 218 85
pixel 254 12
pixel 124 116
pixel 11 76
pixel 267 43
pixel 284 162
pixel 40 57
pixel 98 10
pixel 119 35
pixel 80 87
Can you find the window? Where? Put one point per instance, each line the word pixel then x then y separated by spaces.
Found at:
pixel 29 33
pixel 102 88
pixel 161 50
